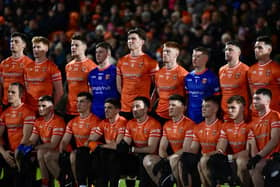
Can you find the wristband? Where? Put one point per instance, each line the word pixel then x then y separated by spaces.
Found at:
pixel 132 149
pixel 230 157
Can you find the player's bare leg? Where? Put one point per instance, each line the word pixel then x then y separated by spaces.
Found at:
pixel 149 163
pixel 51 160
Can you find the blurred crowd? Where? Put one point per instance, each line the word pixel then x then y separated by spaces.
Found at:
pixel 192 23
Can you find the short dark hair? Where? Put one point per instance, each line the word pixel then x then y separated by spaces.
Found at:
pixel 213 98
pixel 264 91
pixel 140 32
pixel 172 44
pixel 80 37
pixel 46 98
pixel 238 98
pixel 234 42
pixel 145 100
pixel 21 35
pixel 177 97
pixel 265 39
pixel 104 45
pixel 204 50
pixel 114 101
pixel 21 88
pixel 85 94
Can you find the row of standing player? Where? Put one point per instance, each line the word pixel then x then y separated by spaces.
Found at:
pixel 136 72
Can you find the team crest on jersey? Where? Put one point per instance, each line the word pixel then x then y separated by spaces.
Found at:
pixel 174 77
pixel 268 73
pixel 237 75
pixel 146 131
pixel 132 65
pixel 180 130
pixel 21 65
pixel 214 132
pixel 107 76
pixel 141 64
pixel 44 69
pixel 204 80
pixel 254 72
pixel 265 123
pixel 84 69
pixel 243 131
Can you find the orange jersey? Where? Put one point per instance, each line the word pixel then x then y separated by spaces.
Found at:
pixel 111 131
pixel 77 79
pixel 14 119
pixel 141 132
pixel 261 129
pixel 47 129
pixel 136 74
pixel 177 132
pixel 169 82
pixel 39 79
pixel 207 135
pixel 266 76
pixel 236 135
pixel 11 70
pixel 80 128
pixel 234 81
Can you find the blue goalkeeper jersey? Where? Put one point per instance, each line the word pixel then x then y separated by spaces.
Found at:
pixel 198 87
pixel 103 85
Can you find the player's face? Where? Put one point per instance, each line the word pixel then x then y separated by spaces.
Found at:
pixel 231 52
pixel 134 42
pixel 176 108
pixel 260 101
pixel 39 50
pixel 13 94
pixel 77 48
pixel 110 111
pixel 101 54
pixel 17 44
pixel 169 54
pixel 83 105
pixel 209 109
pixel 199 59
pixel 138 109
pixel 262 50
pixel 45 108
pixel 235 110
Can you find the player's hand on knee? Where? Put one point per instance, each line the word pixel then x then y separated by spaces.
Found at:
pixel 253 162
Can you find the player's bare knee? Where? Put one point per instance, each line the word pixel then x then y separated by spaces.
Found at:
pixel 241 164
pixel 148 162
pixel 203 162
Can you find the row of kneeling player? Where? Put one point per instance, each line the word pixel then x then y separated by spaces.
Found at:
pixel 180 152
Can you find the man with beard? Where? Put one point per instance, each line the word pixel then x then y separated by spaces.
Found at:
pixel 233 77
pixel 142 137
pixel 265 73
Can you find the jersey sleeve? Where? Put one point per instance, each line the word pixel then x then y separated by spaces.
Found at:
pixel 275 121
pixel 128 131
pixel 155 130
pixel 215 85
pixel 59 128
pixel 55 73
pixel 29 119
pixel 35 128
pixel 99 129
pixel 195 137
pixel 69 127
